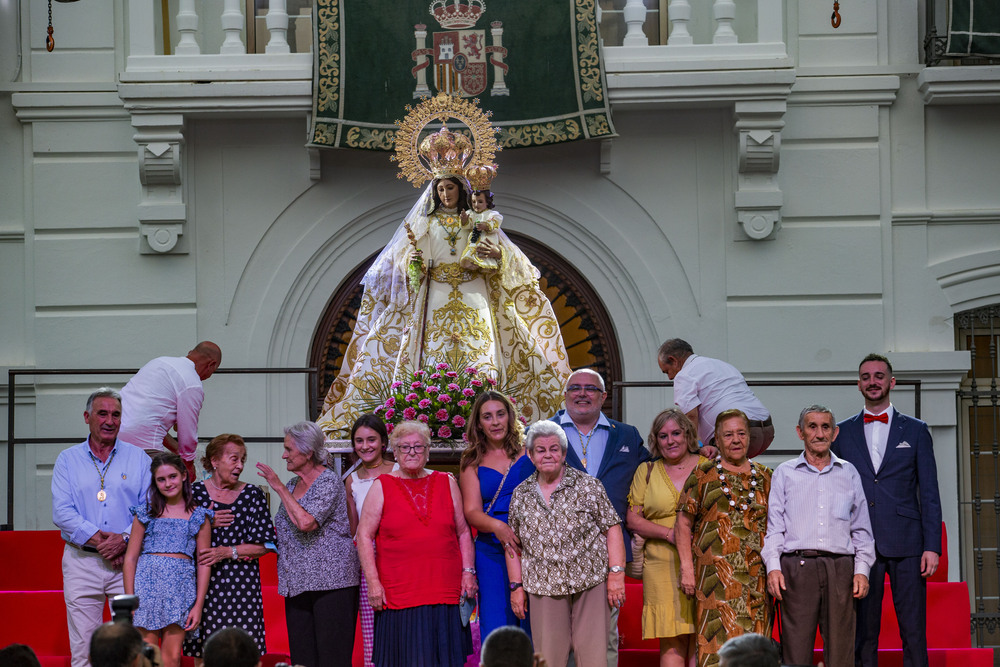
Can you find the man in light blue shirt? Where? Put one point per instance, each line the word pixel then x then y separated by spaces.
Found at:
pixel 93 486
pixel 819 546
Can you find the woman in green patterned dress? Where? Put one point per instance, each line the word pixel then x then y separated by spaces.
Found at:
pixel 725 512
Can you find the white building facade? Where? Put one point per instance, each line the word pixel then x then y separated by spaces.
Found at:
pixel 783 194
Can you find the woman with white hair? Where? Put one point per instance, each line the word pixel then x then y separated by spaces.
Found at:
pixel 422 567
pixel 318 568
pixel 572 564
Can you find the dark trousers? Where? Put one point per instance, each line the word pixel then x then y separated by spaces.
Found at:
pixel 909 597
pixel 321 626
pixel 819 591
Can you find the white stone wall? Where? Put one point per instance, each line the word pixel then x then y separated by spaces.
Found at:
pixel 890 225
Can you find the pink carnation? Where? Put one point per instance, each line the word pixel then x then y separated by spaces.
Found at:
pixel 409 413
pixel 444 432
pixel 444 398
pixel 433 389
pixel 492 381
pixel 422 418
pixel 416 385
pixel 469 393
pixel 476 383
pixel 390 402
pixel 389 427
pixel 396 385
pixel 453 387
pixel 465 437
pixel 458 421
pixel 442 366
pixel 435 376
pixel 424 404
pixel 471 371
pixel 462 403
pixel 419 374
pixel 513 400
pixel 390 413
pixel 452 374
pixel 524 420
pixel 441 415
pixel 409 398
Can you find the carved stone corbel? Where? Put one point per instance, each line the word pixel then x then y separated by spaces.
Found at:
pixel 758 197
pixel 162 211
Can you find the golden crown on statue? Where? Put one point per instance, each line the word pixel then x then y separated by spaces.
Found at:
pixel 457 14
pixel 481 176
pixel 446 153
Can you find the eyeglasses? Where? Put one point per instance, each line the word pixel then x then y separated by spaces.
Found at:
pixel 412 449
pixel 589 388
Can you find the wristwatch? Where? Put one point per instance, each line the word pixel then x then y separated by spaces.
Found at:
pixel 470 570
pixel 125 537
pixel 236 555
pixel 616 568
pixel 514 585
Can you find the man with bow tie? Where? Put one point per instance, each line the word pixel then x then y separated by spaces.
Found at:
pixel 894 455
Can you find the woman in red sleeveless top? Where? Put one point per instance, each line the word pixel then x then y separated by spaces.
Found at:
pixel 425 561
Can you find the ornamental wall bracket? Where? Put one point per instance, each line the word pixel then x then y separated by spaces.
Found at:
pixel 758 197
pixel 162 211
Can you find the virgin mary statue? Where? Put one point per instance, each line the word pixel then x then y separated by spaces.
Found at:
pixel 421 307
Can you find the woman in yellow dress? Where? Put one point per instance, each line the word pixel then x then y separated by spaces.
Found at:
pixel 654 501
pixel 422 308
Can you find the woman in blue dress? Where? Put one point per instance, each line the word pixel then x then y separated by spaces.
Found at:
pixel 492 466
pixel 160 566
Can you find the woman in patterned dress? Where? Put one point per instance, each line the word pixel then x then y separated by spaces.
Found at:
pixel 318 567
pixel 422 566
pixel 654 503
pixel 722 526
pixel 240 529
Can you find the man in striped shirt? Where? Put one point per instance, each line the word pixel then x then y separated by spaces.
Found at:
pixel 819 546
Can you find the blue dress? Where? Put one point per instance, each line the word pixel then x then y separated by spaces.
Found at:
pixel 166 585
pixel 491 567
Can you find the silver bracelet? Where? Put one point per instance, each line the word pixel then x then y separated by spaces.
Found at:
pixel 236 555
pixel 470 570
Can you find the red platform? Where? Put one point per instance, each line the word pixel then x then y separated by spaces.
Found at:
pixel 32 612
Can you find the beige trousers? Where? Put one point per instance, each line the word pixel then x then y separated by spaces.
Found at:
pixel 578 622
pixel 89 582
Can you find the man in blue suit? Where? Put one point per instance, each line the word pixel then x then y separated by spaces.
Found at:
pixel 894 455
pixel 604 448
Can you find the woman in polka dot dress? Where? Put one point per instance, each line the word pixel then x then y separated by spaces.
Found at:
pixel 242 527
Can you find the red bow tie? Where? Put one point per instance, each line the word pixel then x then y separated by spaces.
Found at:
pixel 884 418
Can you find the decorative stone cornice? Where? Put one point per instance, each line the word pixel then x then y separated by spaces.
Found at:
pixel 162 211
pixel 758 198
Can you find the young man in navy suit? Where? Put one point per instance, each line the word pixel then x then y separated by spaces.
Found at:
pixel 894 455
pixel 606 449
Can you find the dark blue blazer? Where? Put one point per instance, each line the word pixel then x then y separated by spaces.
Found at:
pixel 622 456
pixel 903 499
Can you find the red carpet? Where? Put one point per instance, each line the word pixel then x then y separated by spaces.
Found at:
pixel 32 612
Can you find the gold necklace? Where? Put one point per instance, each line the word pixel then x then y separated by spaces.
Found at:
pixel 102 495
pixel 451 231
pixel 377 465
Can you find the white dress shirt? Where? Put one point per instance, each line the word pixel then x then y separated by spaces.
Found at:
pixel 876 435
pixel 165 392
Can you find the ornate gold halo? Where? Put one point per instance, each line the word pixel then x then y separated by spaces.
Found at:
pixel 442 107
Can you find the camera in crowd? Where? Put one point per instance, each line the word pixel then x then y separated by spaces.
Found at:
pixel 122 608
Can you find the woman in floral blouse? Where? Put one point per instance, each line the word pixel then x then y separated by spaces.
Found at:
pixel 318 568
pixel 571 539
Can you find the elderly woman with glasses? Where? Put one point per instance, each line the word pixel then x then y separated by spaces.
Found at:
pixel 424 567
pixel 317 562
pixel 571 570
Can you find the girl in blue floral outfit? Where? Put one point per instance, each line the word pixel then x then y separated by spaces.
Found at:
pixel 160 566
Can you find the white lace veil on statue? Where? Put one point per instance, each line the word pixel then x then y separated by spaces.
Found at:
pixel 387 277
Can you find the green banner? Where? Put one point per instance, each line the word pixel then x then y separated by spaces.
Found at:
pixel 973 28
pixel 535 64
